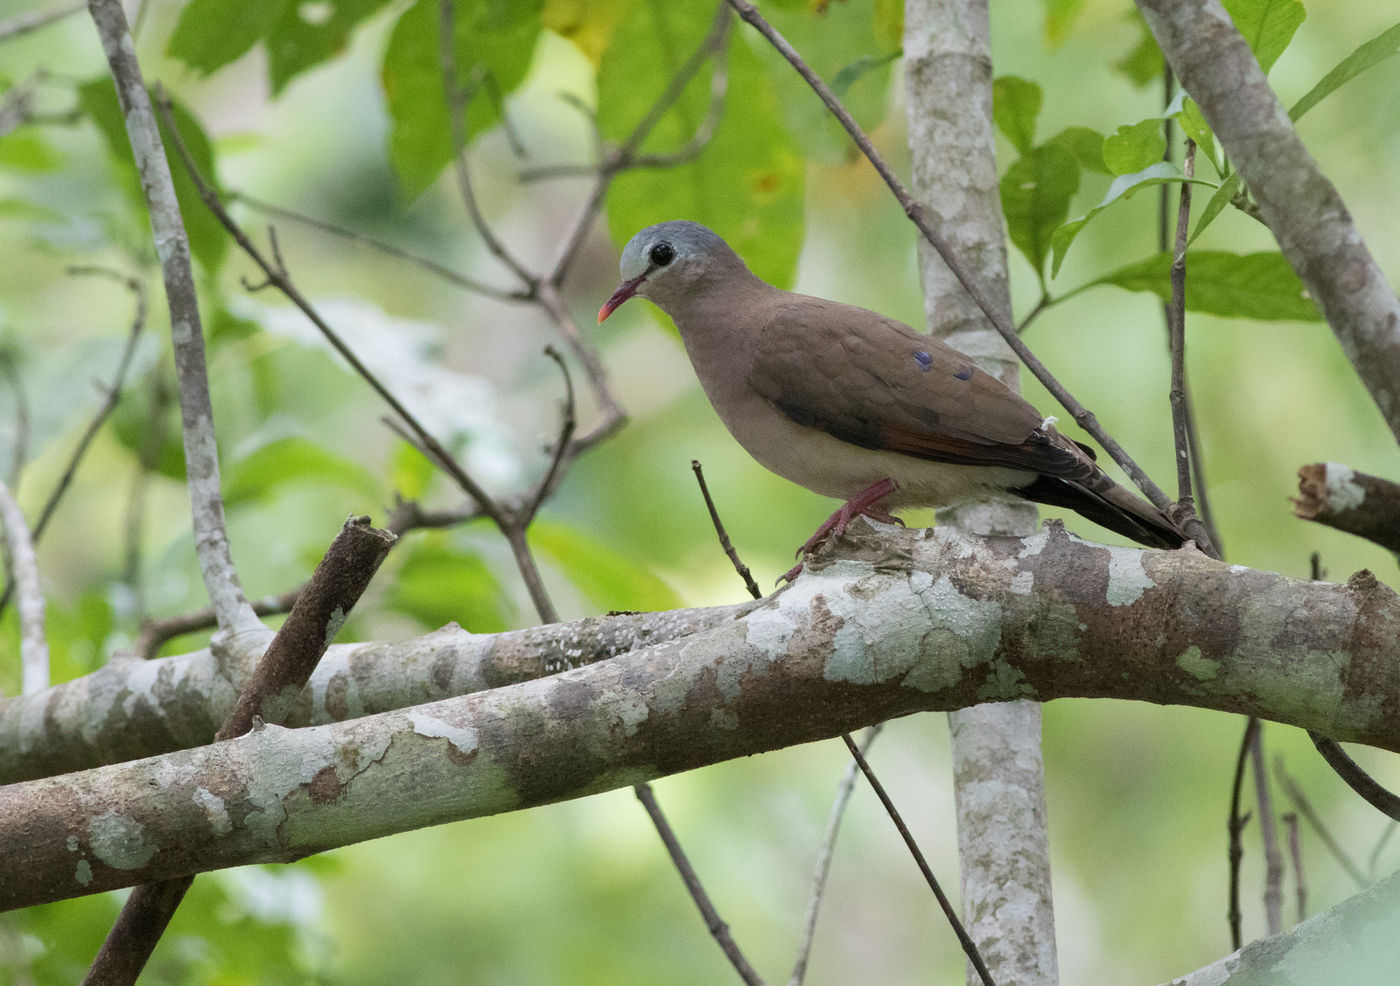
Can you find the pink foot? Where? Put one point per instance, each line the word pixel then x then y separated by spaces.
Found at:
pixel 860 505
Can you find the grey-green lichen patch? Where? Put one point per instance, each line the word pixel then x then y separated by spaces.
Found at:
pixel 120 841
pixel 1006 682
pixel 1343 492
pixel 877 643
pixel 1198 666
pixel 1127 579
pixel 723 719
pixel 214 811
pixel 463 738
pixel 83 872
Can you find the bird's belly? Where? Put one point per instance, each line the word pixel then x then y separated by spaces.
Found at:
pixel 832 467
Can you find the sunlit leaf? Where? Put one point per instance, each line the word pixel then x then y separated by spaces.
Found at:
pixel 212 33
pixel 27 150
pixel 260 473
pixel 438 584
pixel 1144 64
pixel 1268 25
pixel 1222 197
pixel 310 32
pixel 1015 106
pixel 494 41
pixel 1369 55
pixel 1086 144
pixel 747 181
pixel 1060 16
pixel 1255 285
pixel 1035 194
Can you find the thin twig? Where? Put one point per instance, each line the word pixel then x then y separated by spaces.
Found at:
pixel 33 644
pixel 457 100
pixel 35 19
pixel 196 411
pixel 1268 835
pixel 1295 852
pixel 968 945
pixel 19 448
pixel 1303 806
pixel 822 868
pixel 567 423
pixel 1236 824
pixel 718 929
pixel 388 249
pixel 1176 332
pixel 916 212
pixel 724 541
pixel 1376 850
pixel 1357 779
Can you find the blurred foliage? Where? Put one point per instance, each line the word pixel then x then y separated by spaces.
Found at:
pixel 335 109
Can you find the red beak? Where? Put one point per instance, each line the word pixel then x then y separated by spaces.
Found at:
pixel 624 291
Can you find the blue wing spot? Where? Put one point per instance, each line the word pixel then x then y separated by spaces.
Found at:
pixel 924 359
pixel 964 374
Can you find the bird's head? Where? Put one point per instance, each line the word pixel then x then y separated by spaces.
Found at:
pixel 670 261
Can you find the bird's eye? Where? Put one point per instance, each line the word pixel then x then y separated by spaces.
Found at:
pixel 662 254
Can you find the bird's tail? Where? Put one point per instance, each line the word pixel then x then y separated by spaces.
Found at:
pixel 1104 502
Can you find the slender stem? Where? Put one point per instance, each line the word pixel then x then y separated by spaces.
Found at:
pixel 172 244
pixel 1357 779
pixel 33 644
pixel 1303 806
pixel 916 212
pixel 717 927
pixel 723 535
pixel 1236 826
pixel 1295 853
pixel 968 945
pixel 1268 834
pixel 1176 333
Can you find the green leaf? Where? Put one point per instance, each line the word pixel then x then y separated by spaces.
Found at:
pixel 1060 16
pixel 256 476
pixel 208 243
pixel 858 69
pixel 609 580
pixel 1223 196
pixel 1086 144
pixel 1268 26
pixel 1134 147
pixel 438 584
pixel 1194 125
pixel 1255 285
pixel 310 33
pixel 27 150
pixel 1035 194
pixel 1369 55
pixel 494 41
pixel 1123 187
pixel 1015 106
pixel 212 33
pixel 1144 64
pixel 148 432
pixel 747 181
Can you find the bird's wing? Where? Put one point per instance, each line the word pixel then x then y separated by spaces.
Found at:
pixel 877 383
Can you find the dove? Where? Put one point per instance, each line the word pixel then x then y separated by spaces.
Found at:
pixel 860 407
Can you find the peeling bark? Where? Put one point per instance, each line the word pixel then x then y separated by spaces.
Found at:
pixel 909 621
pixel 1350 501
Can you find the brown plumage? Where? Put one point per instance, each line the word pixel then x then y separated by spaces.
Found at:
pixel 847 402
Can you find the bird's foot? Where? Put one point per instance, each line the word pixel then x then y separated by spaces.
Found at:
pixel 863 504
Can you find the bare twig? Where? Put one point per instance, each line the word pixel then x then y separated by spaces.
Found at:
pixel 388 249
pixel 35 19
pixel 335 587
pixel 9 372
pixel 33 644
pixel 916 212
pixel 1377 849
pixel 568 421
pixel 1303 807
pixel 823 865
pixel 1236 826
pixel 723 535
pixel 1176 332
pixel 717 927
pixel 968 945
pixel 1346 500
pixel 1359 781
pixel 1268 834
pixel 196 411
pixel 1295 852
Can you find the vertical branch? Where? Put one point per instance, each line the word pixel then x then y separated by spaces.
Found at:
pixel 1176 334
pixel 33 645
pixel 998 769
pixel 1268 833
pixel 173 248
pixel 1236 825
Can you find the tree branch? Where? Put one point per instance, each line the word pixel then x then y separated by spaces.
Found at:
pixel 173 248
pixel 19 550
pixel 1350 501
pixel 914 621
pixel 1296 200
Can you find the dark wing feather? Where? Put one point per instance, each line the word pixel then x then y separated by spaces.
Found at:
pixel 876 383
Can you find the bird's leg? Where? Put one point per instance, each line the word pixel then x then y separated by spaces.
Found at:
pixel 860 505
